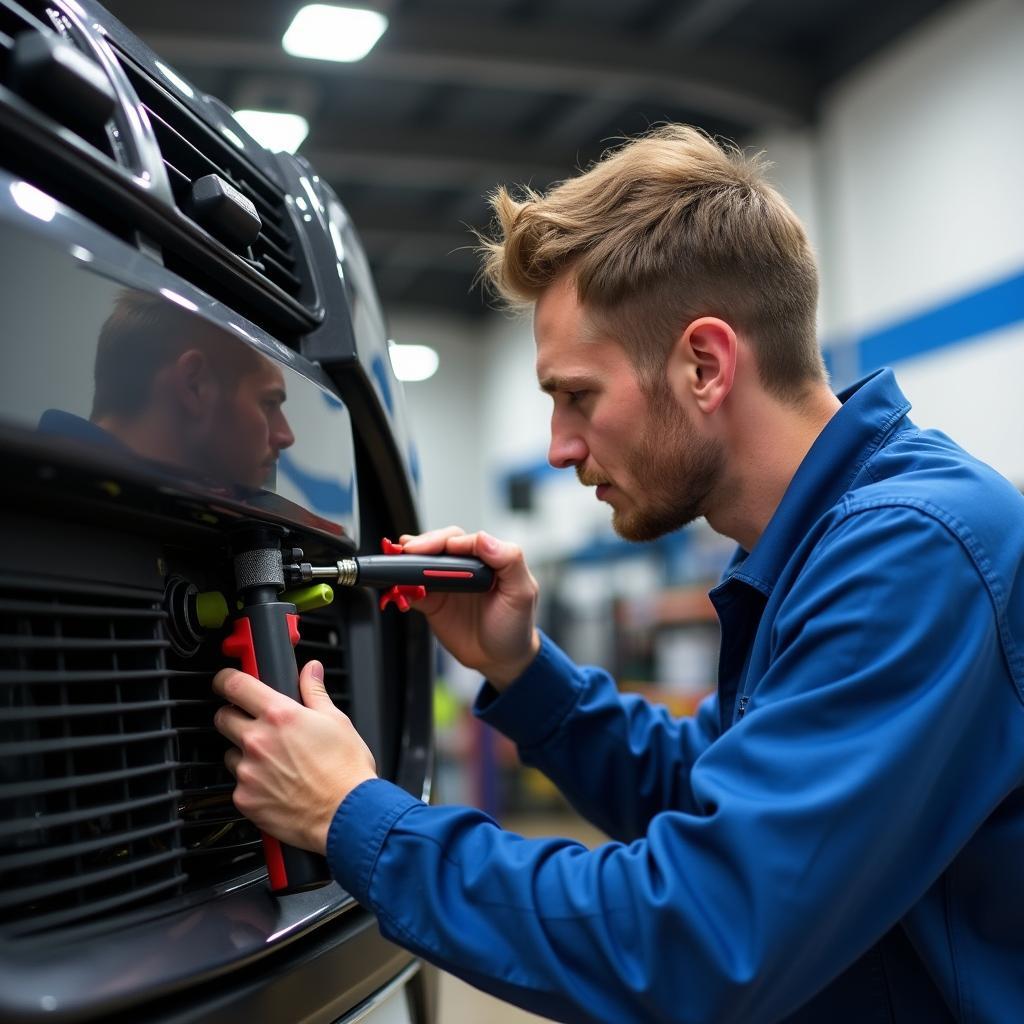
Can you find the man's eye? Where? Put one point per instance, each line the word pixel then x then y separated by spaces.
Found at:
pixel 575 397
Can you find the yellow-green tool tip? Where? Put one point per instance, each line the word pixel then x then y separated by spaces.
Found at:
pixel 211 609
pixel 305 599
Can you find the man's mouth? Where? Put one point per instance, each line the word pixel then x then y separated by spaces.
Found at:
pixel 603 486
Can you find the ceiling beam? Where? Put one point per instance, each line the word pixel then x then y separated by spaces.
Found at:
pixel 450 251
pixel 415 238
pixel 378 154
pixel 700 20
pixel 585 116
pixel 744 88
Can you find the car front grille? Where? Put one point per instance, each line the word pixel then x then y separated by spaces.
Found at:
pixel 113 791
pixel 191 150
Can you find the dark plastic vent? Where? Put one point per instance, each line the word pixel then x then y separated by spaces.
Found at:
pixel 191 150
pixel 14 19
pixel 113 790
pixel 88 807
pixel 85 105
pixel 325 637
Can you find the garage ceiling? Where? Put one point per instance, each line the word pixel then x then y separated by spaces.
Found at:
pixel 460 95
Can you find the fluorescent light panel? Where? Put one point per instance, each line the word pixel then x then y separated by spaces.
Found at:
pixel 326 32
pixel 275 130
pixel 413 362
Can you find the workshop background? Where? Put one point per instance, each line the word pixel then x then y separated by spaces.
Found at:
pixel 895 130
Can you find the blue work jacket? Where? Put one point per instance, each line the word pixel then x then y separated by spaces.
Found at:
pixel 837 835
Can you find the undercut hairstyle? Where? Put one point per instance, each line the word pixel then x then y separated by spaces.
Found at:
pixel 143 334
pixel 662 230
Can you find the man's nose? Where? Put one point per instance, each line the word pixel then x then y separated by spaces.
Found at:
pixel 281 436
pixel 567 448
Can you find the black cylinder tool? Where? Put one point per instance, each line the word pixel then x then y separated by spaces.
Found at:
pixel 401 575
pixel 263 638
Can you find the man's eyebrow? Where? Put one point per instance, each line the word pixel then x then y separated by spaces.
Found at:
pixel 549 385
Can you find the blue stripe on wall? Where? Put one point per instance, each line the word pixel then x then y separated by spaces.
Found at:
pixel 961 319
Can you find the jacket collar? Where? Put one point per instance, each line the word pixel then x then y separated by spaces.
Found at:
pixel 871 409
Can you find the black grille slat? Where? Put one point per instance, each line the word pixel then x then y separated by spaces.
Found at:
pixel 268 248
pixel 270 232
pixel 26 826
pixel 79 711
pixel 324 638
pixel 39 923
pixel 52 853
pixel 24 749
pixel 14 19
pixel 23 789
pixel 281 276
pixel 180 181
pixel 73 678
pixel 45 890
pixel 97 611
pixel 186 159
pixel 53 643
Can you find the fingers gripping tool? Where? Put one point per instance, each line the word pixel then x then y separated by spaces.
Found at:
pixel 266 629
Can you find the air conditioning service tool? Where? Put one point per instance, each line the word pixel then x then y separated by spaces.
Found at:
pixel 266 629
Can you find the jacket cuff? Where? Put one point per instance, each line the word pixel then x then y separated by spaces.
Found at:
pixel 360 825
pixel 531 709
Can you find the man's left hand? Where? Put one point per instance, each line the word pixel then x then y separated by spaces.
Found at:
pixel 293 763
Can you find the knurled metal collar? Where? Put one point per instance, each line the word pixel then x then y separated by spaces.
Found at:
pixel 260 567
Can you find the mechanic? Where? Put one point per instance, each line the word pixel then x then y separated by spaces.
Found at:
pixel 838 834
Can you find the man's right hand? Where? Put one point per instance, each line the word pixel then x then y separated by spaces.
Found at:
pixel 494 633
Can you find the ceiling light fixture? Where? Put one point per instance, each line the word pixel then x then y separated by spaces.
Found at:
pixel 278 131
pixel 326 32
pixel 413 362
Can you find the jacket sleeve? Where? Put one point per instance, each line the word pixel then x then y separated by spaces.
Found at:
pixel 819 819
pixel 618 759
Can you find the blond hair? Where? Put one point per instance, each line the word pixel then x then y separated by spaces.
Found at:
pixel 666 228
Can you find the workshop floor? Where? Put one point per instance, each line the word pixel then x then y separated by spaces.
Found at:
pixel 462 1004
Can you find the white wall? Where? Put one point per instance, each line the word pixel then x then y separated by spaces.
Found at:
pixel 925 150
pixel 445 416
pixel 911 186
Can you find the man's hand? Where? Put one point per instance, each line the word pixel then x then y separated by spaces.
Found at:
pixel 494 633
pixel 293 764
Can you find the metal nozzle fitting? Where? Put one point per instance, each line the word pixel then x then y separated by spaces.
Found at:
pixel 347 572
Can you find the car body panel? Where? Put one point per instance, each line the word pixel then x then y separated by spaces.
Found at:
pixel 95 227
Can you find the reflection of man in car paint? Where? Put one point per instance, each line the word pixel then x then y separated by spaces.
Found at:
pixel 178 390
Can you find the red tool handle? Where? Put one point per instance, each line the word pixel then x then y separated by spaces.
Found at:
pixel 411 576
pixel 263 638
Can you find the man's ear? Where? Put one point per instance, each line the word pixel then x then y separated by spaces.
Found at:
pixel 702 363
pixel 194 382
